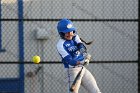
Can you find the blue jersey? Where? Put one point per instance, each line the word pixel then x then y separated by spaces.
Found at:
pixel 69 51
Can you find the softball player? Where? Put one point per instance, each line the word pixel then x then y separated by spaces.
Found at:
pixel 72 50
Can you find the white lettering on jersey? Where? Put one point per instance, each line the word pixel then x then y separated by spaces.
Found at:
pixel 72 48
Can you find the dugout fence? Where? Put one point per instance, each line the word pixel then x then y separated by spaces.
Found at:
pixel 28 28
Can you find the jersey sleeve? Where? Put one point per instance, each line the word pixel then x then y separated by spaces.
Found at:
pixel 63 53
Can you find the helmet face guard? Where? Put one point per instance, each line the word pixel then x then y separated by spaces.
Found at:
pixel 65 26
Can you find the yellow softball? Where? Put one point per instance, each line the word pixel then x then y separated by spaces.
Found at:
pixel 36 59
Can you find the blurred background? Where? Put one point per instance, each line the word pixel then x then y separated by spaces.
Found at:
pixel 28 28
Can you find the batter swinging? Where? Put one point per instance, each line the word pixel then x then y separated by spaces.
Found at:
pixel 72 50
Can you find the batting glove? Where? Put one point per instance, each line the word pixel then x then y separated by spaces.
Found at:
pixel 86 60
pixel 88 56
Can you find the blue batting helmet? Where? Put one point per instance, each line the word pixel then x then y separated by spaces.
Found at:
pixel 65 25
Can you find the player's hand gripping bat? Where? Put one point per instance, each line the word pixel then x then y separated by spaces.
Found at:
pixel 73 86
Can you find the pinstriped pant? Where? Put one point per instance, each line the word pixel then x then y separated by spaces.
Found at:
pixel 86 80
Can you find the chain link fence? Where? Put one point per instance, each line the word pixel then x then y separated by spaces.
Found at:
pixel 28 28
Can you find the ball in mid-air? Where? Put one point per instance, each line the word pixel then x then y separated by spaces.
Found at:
pixel 36 59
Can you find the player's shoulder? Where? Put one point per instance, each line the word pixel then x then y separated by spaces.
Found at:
pixel 77 38
pixel 60 43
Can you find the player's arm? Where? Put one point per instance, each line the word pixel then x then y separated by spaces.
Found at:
pixel 68 58
pixel 82 48
pixel 65 55
pixel 72 62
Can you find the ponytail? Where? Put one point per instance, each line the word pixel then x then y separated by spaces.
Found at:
pixel 87 43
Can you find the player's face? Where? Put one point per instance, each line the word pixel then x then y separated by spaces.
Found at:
pixel 69 35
